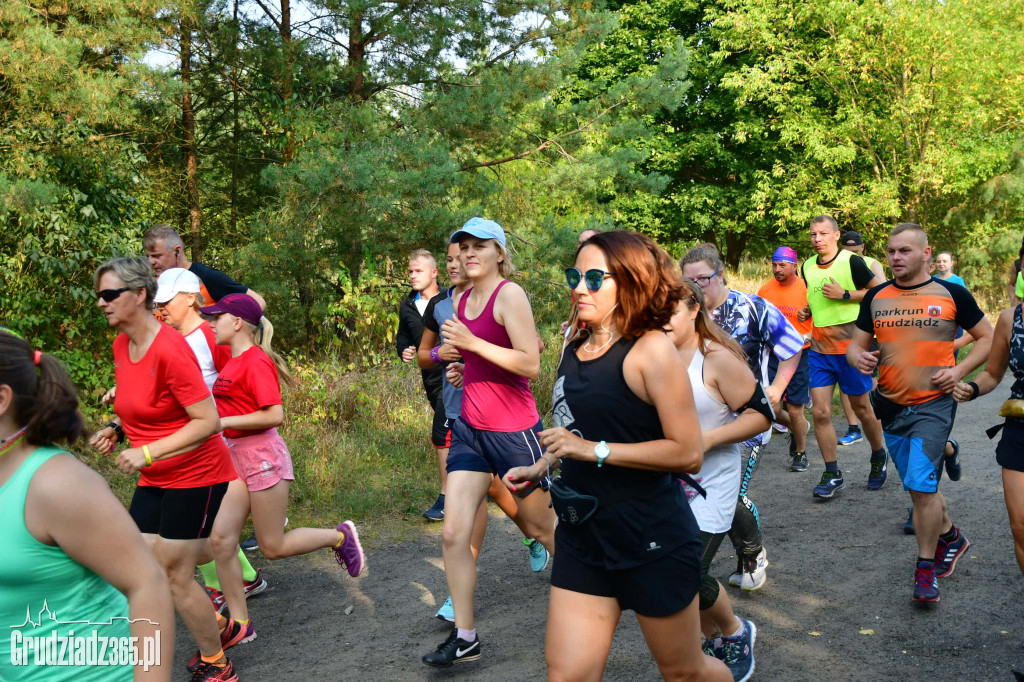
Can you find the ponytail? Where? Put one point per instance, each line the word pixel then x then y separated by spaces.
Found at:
pixel 45 402
pixel 261 336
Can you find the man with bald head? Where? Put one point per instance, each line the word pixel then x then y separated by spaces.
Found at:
pixel 915 317
pixel 587 234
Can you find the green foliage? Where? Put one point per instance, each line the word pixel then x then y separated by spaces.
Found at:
pixel 891 110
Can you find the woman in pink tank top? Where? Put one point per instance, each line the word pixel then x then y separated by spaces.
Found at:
pixel 494 331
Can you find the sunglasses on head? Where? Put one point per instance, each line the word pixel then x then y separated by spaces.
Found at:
pixel 110 295
pixel 593 278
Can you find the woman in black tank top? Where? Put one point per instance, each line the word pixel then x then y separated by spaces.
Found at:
pixel 625 420
pixel 1007 351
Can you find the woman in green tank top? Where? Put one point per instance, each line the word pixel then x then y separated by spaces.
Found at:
pixel 77 579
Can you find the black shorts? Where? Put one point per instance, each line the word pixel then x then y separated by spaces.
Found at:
pixel 656 590
pixel 177 513
pixel 433 380
pixel 1010 451
pixel 441 429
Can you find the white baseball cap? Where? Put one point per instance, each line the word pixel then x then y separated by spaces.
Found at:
pixel 174 281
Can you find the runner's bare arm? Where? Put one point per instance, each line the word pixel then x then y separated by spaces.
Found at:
pixel 269 417
pixel 654 372
pixel 427 343
pixel 785 372
pixel 259 299
pixel 511 309
pixel 203 423
pixel 946 379
pixel 832 289
pixel 858 355
pixel 70 506
pixel 735 383
pixel 998 359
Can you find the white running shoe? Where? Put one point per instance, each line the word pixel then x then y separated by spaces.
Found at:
pixel 754 574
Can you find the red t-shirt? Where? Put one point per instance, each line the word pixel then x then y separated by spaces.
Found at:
pixel 247 384
pixel 152 395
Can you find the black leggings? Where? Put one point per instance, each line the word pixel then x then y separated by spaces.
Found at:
pixel 746 523
pixel 709 586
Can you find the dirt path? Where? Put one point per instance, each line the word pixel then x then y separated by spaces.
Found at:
pixel 836 606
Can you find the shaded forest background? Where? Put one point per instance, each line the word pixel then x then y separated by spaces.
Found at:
pixel 306 147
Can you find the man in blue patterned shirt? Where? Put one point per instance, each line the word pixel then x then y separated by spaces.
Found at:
pixel 761 330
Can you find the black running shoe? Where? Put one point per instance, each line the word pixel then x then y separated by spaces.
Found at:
pixel 953 462
pixel 799 461
pixel 453 650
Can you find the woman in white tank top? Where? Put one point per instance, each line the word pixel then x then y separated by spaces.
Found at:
pixel 722 385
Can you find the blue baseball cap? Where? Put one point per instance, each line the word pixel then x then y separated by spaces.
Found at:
pixel 480 228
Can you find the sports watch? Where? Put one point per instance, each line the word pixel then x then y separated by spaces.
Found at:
pixel 601 451
pixel 846 295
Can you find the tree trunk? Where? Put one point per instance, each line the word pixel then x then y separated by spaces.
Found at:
pixel 189 152
pixel 236 128
pixel 356 55
pixel 287 84
pixel 734 247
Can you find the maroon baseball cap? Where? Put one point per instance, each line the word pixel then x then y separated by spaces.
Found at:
pixel 239 305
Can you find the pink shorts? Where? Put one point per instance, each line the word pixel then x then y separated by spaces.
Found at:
pixel 261 460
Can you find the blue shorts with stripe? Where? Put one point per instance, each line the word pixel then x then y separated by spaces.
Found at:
pixel 493 452
pixel 916 438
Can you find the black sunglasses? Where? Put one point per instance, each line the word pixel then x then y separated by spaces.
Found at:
pixel 593 278
pixel 110 295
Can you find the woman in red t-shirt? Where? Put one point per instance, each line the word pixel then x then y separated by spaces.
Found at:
pixel 168 415
pixel 179 297
pixel 248 395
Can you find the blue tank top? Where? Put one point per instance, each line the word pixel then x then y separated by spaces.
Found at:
pixel 592 400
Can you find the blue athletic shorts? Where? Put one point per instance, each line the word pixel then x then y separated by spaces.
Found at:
pixel 828 370
pixel 798 390
pixel 916 439
pixel 493 452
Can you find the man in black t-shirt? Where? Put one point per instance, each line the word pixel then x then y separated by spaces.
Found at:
pixel 165 249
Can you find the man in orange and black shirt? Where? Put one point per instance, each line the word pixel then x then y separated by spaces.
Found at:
pixel 915 318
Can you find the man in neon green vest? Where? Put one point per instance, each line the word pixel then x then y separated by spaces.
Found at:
pixel 853 241
pixel 836 282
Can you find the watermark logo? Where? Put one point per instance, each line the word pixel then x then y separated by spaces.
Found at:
pixel 76 643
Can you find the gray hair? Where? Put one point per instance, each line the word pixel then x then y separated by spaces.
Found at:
pixel 134 271
pixel 163 233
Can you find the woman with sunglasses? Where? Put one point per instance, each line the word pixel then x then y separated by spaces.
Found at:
pixel 167 413
pixel 178 298
pixel 494 332
pixel 723 386
pixel 68 543
pixel 625 421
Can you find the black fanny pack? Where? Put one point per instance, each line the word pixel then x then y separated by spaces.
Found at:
pixel 885 410
pixel 574 508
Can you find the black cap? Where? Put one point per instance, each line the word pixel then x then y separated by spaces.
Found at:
pixel 851 238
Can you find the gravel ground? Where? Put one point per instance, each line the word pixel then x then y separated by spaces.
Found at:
pixel 836 605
